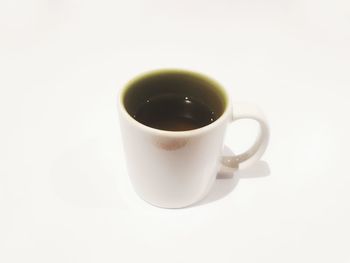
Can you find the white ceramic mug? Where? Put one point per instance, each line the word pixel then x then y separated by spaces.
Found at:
pixel 174 169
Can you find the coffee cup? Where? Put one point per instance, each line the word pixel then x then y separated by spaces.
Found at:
pixel 173 124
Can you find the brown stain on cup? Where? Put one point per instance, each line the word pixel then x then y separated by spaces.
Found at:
pixel 169 144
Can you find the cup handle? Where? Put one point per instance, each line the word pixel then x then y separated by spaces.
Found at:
pixel 248 111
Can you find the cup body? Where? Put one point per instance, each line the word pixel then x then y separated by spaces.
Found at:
pixel 172 169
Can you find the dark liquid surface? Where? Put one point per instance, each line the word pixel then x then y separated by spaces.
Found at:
pixel 174 112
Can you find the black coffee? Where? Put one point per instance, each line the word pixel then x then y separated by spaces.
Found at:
pixel 174 112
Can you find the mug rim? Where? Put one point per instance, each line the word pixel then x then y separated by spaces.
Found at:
pixel 168 133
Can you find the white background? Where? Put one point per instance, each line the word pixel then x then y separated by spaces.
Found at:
pixel 64 191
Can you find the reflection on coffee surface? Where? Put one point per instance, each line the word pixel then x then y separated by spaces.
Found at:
pixel 174 112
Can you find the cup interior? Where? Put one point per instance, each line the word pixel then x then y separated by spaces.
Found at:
pixel 178 82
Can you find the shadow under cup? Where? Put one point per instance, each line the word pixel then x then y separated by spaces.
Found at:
pixel 174 100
